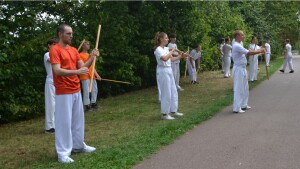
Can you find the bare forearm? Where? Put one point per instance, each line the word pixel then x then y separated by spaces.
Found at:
pixel 175 58
pixel 65 72
pixel 89 62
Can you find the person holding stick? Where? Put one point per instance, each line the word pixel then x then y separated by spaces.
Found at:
pixel 194 55
pixel 222 43
pixel 49 91
pixel 175 63
pixel 69 112
pixel 227 57
pixel 240 80
pixel 90 104
pixel 268 52
pixel 253 60
pixel 288 57
pixel 166 82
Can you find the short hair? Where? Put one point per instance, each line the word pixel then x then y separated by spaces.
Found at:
pixel 287 40
pixel 173 35
pixel 52 41
pixel 236 33
pixel 61 28
pixel 227 39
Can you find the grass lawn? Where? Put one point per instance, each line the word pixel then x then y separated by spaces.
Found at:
pixel 126 130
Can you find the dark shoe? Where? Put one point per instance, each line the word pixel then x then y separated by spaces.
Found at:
pixel 195 82
pixel 292 71
pixel 50 131
pixel 95 106
pixel 88 108
pixel 281 71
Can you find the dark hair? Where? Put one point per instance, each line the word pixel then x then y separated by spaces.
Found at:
pixel 52 41
pixel 173 35
pixel 196 46
pixel 227 39
pixel 61 28
pixel 157 37
pixel 287 40
pixel 221 40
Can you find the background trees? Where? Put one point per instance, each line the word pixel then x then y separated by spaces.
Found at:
pixel 126 39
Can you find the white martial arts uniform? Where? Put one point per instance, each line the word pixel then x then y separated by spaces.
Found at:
pixel 222 57
pixel 159 92
pixel 192 71
pixel 49 95
pixel 253 63
pixel 85 85
pixel 288 57
pixel 268 53
pixel 227 59
pixel 175 66
pixel 166 82
pixel 233 40
pixel 240 80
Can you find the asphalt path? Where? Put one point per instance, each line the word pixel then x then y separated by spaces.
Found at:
pixel 265 137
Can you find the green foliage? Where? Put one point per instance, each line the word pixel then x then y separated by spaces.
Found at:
pixel 126 39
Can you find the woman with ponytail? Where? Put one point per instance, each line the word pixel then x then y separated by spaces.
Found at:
pixel 165 79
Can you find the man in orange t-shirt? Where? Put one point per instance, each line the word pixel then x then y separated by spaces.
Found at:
pixel 69 113
pixel 89 104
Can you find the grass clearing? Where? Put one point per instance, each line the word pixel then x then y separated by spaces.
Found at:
pixel 126 130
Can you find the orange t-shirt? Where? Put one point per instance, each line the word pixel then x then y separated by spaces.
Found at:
pixel 84 57
pixel 68 59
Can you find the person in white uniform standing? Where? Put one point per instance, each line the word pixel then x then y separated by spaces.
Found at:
pixel 175 63
pixel 49 91
pixel 268 52
pixel 227 57
pixel 288 57
pixel 253 60
pixel 222 43
pixel 194 55
pixel 240 80
pixel 166 82
pixel 69 112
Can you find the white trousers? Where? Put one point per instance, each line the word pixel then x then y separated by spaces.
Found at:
pixel 169 95
pixel 192 71
pixel 267 59
pixel 240 87
pixel 49 106
pixel 176 73
pixel 223 63
pixel 288 61
pixel 69 122
pixel 227 62
pixel 85 84
pixel 159 92
pixel 253 60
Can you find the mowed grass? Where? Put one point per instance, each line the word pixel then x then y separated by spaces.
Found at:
pixel 126 130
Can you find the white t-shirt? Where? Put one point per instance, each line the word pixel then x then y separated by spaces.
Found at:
pixel 159 52
pixel 48 67
pixel 221 47
pixel 227 50
pixel 233 40
pixel 195 54
pixel 239 54
pixel 288 48
pixel 268 48
pixel 171 46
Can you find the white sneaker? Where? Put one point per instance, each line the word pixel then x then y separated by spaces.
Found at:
pixel 176 114
pixel 246 108
pixel 65 159
pixel 240 111
pixel 167 117
pixel 86 149
pixel 180 89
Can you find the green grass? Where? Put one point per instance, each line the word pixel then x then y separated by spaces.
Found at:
pixel 127 130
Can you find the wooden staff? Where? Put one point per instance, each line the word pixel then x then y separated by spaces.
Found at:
pixel 116 81
pixel 262 41
pixel 81 44
pixel 94 62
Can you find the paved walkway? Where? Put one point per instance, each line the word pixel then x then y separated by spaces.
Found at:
pixel 265 137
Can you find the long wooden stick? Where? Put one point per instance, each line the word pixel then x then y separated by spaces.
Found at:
pixel 116 81
pixel 94 62
pixel 81 44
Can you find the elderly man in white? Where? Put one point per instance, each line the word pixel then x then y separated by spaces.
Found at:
pixel 240 80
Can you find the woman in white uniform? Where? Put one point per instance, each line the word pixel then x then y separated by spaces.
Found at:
pixel 288 57
pixel 227 57
pixel 253 60
pixel 165 78
pixel 194 55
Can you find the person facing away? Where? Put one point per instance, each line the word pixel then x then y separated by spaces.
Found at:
pixel 90 104
pixel 166 82
pixel 253 60
pixel 49 91
pixel 194 55
pixel 268 52
pixel 176 63
pixel 69 112
pixel 226 49
pixel 288 57
pixel 240 80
